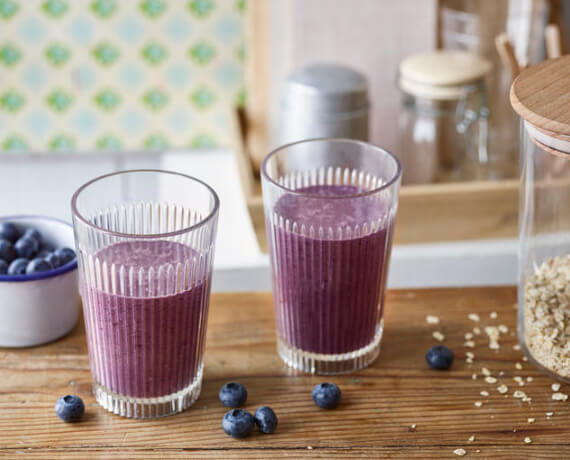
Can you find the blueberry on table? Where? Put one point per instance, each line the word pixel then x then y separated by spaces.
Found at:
pixel 32 233
pixel 326 395
pixel 65 255
pixel 38 265
pixel 3 267
pixel 233 394
pixel 27 247
pixel 439 357
pixel 18 267
pixel 53 259
pixel 8 231
pixel 69 408
pixel 265 419
pixel 7 251
pixel 238 423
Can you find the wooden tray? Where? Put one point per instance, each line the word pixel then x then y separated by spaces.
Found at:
pixel 426 213
pixel 379 407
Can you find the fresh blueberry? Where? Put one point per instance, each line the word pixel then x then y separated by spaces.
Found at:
pixel 8 231
pixel 7 251
pixel 326 395
pixel 32 233
pixel 65 255
pixel 27 247
pixel 18 267
pixel 69 408
pixel 44 252
pixel 53 259
pixel 265 419
pixel 238 423
pixel 439 357
pixel 233 394
pixel 38 265
pixel 3 267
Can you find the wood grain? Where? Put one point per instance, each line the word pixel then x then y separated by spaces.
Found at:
pixel 257 77
pixel 379 403
pixel 540 95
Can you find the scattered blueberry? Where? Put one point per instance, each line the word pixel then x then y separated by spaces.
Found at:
pixel 32 233
pixel 69 408
pixel 53 259
pixel 8 231
pixel 38 265
pixel 7 251
pixel 238 423
pixel 265 419
pixel 326 395
pixel 27 247
pixel 65 255
pixel 233 394
pixel 3 267
pixel 439 357
pixel 18 267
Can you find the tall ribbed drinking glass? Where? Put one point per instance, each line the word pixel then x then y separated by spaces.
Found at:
pixel 145 244
pixel 329 206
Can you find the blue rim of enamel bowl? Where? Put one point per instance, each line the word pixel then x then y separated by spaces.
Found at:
pixel 69 266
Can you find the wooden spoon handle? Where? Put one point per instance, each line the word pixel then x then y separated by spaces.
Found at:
pixel 507 54
pixel 553 41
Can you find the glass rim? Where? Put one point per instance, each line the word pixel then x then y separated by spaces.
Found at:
pixel 206 219
pixel 376 148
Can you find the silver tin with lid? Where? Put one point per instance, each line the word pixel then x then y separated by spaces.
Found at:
pixel 324 100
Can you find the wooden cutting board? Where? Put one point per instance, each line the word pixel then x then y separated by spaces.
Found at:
pixel 375 419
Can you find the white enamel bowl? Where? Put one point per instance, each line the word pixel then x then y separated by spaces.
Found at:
pixel 41 307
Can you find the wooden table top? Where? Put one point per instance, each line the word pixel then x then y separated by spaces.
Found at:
pixel 379 406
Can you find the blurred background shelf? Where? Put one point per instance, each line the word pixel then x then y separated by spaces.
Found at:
pixel 426 214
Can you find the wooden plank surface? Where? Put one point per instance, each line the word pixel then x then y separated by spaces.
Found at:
pixel 379 403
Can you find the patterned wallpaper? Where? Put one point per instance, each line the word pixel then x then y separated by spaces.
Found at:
pixel 87 75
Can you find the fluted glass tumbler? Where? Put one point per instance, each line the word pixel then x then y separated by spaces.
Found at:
pixel 329 206
pixel 145 243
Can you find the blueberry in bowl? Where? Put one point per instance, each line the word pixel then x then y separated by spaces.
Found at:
pixel 39 298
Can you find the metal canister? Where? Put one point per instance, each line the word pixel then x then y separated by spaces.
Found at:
pixel 324 100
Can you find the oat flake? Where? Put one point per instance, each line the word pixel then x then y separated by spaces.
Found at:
pixel 546 315
pixel 431 319
pixel 438 336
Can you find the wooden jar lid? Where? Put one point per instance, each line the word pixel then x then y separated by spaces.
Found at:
pixel 441 74
pixel 541 96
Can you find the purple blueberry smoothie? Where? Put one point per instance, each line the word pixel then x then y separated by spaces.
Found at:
pixel 146 319
pixel 329 262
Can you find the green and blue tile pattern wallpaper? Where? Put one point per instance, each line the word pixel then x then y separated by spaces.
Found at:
pixel 127 75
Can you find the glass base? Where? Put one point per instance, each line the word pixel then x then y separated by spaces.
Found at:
pixel 324 364
pixel 142 408
pixel 534 362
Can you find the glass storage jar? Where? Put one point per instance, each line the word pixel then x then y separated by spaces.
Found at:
pixel 443 122
pixel 541 96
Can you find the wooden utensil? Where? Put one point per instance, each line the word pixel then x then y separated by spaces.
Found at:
pixel 553 41
pixel 507 54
